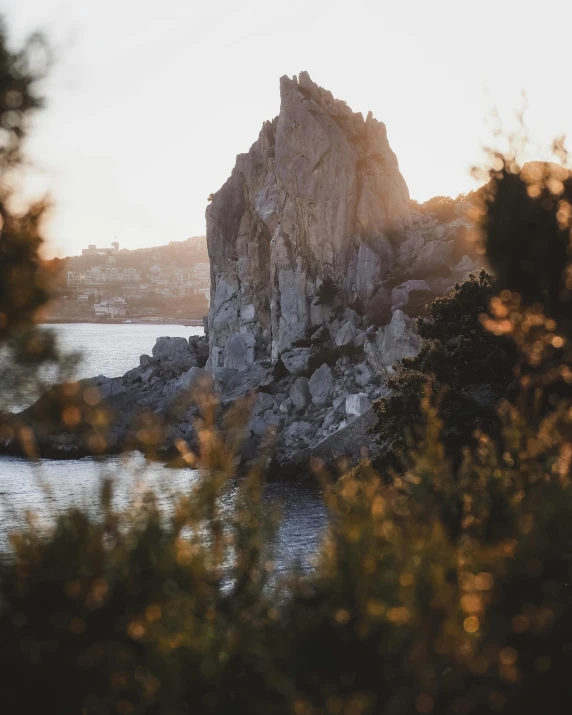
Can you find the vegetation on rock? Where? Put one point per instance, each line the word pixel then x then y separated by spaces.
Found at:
pixel 467 369
pixel 444 208
pixel 327 293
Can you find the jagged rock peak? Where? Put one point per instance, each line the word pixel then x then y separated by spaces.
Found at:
pixel 315 198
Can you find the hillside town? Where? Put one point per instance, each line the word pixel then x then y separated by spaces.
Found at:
pixel 111 284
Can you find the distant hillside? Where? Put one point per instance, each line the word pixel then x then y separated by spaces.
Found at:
pixel 176 254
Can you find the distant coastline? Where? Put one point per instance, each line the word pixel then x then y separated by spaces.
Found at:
pixel 193 322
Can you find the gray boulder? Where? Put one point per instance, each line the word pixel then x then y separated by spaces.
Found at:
pixel 297 431
pixel 346 334
pixel 321 385
pixel 239 351
pixel 109 387
pixel 300 393
pixel 199 345
pixel 399 339
pixel 272 419
pixel 356 405
pixel 465 266
pixel 232 384
pixel 196 378
pixel 434 258
pixel 378 307
pixel 352 442
pixel 400 294
pixel 339 402
pixel 166 348
pixel 262 402
pixel 278 400
pixel 148 375
pixel 330 419
pixel 392 343
pixel 369 268
pixel 320 335
pixel 362 374
pixel 174 356
pixel 261 428
pixel 350 314
pixel 297 360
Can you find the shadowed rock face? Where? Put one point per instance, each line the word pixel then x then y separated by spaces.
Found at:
pixel 316 197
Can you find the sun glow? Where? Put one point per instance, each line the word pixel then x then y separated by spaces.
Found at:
pixel 151 126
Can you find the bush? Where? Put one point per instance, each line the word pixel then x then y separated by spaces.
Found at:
pixel 467 368
pixel 526 225
pixel 439 593
pixel 327 293
pixel 418 303
pixel 330 354
pixel 302 343
pixel 444 208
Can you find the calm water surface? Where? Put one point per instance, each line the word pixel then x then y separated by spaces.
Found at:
pixel 113 349
pixel 51 486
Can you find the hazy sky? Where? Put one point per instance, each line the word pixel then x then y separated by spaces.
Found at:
pixel 150 101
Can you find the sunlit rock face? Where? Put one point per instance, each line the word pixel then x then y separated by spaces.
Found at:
pixel 318 196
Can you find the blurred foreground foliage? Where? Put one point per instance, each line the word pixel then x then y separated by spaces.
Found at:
pixel 26 279
pixel 443 592
pixel 443 584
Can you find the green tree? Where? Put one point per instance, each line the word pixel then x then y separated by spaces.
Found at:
pixel 467 369
pixel 327 293
pixel 526 228
pixel 25 279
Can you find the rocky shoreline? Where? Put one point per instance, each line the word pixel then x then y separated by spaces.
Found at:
pixel 296 405
pixel 314 402
pixel 319 266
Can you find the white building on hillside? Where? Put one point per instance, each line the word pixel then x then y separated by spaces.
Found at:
pixel 113 308
pixel 201 272
pixel 193 280
pixel 74 279
pixel 110 274
pixel 93 250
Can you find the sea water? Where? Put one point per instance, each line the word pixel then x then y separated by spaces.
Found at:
pixel 50 486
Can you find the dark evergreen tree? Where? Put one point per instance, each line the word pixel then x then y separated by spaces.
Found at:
pixel 526 225
pixel 23 278
pixel 466 368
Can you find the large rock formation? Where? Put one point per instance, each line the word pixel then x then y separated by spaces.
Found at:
pixel 318 268
pixel 317 197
